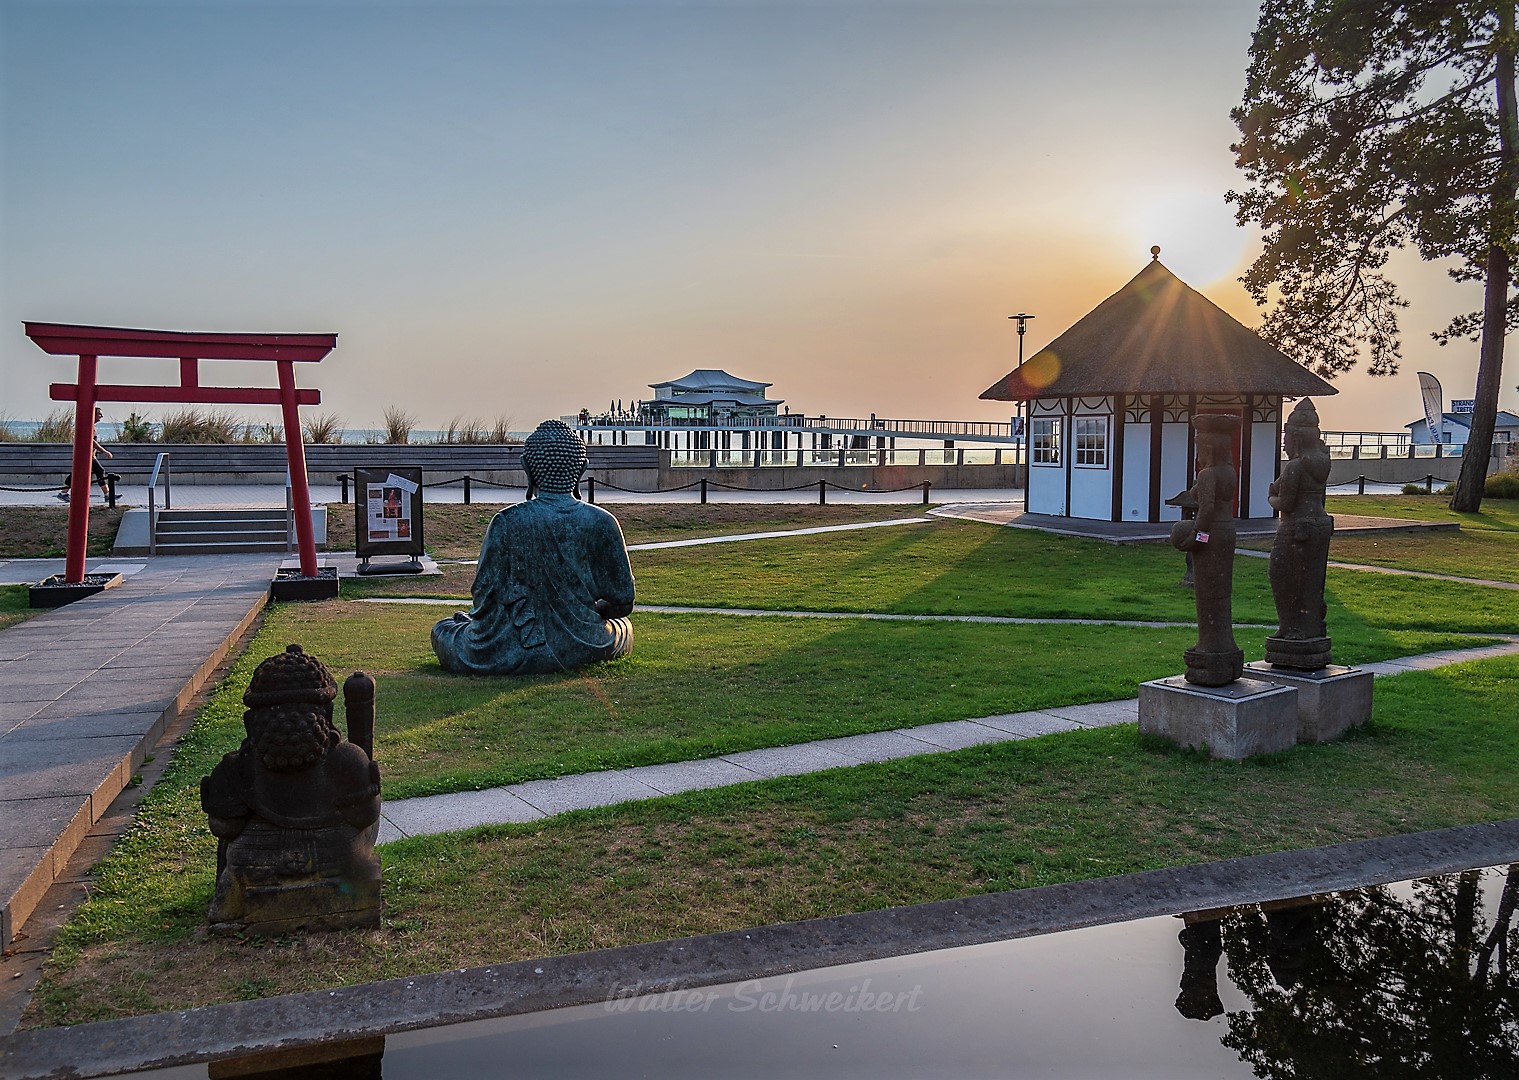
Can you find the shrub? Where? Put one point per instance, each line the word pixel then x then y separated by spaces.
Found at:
pixel 1502 485
pixel 398 426
pixel 137 428
pixel 58 427
pixel 325 428
pixel 7 431
pixel 1415 489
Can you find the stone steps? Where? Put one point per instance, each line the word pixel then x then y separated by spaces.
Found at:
pixel 221 532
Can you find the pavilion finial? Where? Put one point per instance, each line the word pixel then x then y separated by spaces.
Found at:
pixel 1155 253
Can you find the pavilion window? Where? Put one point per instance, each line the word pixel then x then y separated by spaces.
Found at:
pixel 1044 439
pixel 1091 439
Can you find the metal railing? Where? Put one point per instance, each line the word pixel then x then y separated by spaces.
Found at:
pixel 872 427
pixel 842 457
pixel 290 514
pixel 1396 452
pixel 160 465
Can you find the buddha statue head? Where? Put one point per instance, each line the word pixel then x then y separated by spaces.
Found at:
pixel 553 458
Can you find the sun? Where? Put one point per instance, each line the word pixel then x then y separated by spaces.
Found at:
pixel 1196 231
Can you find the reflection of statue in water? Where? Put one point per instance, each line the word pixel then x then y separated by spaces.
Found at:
pixel 1301 550
pixel 553 588
pixel 296 809
pixel 1216 660
pixel 1202 945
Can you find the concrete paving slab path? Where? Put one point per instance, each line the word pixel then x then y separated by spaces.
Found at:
pixel 85 692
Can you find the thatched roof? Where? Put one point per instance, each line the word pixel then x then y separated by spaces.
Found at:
pixel 1157 335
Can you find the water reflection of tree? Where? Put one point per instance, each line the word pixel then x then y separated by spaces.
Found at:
pixel 1367 985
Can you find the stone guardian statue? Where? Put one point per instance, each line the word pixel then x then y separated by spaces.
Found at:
pixel 1216 659
pixel 295 809
pixel 553 589
pixel 1300 552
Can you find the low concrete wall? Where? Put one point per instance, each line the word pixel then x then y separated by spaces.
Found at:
pixel 859 477
pixel 1407 470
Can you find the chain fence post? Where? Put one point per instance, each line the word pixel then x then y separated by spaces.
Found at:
pixel 704 490
pixel 1361 484
pixel 590 490
pixel 822 492
pixel 926 486
pixel 466 491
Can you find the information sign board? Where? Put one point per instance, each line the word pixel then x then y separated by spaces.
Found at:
pixel 388 510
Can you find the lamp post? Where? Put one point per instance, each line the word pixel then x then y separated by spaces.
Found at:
pixel 1023 318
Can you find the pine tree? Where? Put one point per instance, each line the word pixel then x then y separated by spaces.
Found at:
pixel 1368 126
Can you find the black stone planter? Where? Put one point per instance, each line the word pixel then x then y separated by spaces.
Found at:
pixel 290 584
pixel 55 592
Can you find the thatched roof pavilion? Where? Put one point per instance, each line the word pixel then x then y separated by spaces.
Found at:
pixel 1157 335
pixel 1111 402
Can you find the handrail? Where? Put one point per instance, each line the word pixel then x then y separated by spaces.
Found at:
pixel 161 462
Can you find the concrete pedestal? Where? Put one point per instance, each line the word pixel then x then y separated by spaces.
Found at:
pixel 1236 721
pixel 1330 701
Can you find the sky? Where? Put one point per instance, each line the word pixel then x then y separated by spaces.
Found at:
pixel 521 209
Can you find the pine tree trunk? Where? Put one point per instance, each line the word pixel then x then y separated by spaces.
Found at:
pixel 1479 443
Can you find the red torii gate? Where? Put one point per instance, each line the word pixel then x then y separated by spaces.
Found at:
pixel 90 343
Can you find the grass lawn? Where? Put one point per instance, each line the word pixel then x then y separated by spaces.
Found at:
pixel 1486 547
pixel 454 531
pixel 968 568
pixel 15 606
pixel 700 685
pixel 1439 751
pixel 953 567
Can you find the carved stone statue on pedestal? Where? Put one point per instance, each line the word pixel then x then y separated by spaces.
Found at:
pixel 1300 552
pixel 553 589
pixel 295 809
pixel 1216 659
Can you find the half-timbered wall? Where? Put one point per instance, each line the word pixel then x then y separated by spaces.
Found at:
pixel 1119 458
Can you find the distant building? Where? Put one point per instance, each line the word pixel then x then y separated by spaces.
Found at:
pixel 1111 403
pixel 1458 425
pixel 707 396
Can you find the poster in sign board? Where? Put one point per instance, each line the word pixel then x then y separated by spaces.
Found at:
pixel 388 511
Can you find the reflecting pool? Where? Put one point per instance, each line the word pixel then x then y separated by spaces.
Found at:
pixel 1413 979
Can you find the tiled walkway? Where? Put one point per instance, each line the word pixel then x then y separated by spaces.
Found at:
pixel 85 692
pixel 537 799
